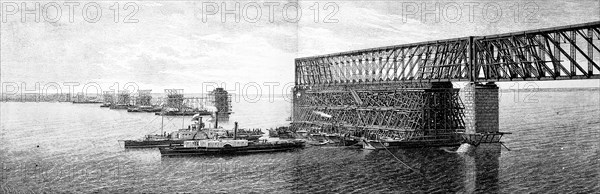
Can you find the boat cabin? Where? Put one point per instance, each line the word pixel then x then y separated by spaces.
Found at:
pixel 215 143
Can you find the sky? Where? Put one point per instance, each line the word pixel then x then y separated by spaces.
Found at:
pixel 191 44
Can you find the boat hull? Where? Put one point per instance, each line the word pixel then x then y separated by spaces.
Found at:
pixel 151 143
pixel 250 149
pixel 121 106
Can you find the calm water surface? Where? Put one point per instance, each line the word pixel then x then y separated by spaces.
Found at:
pixel 64 147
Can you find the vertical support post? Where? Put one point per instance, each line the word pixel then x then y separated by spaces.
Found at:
pixel 293 103
pixel 542 56
pixel 573 52
pixel 590 34
pixel 471 62
pixel 490 60
pixel 557 54
pixel 296 72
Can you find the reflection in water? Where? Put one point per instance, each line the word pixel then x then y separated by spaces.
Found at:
pixel 436 170
pixel 349 170
pixel 481 168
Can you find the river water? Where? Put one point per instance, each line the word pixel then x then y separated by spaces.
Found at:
pixel 64 147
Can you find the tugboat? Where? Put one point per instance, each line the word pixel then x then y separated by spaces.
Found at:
pixel 195 131
pixel 228 146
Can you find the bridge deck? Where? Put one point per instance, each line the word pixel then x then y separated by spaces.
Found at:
pixel 559 53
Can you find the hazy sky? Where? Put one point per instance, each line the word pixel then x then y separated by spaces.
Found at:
pixel 179 44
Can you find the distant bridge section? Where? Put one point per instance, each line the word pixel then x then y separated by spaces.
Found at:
pixel 560 53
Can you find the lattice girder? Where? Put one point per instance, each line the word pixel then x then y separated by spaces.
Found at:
pixel 567 52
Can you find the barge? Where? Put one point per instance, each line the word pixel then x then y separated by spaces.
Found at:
pixel 144 109
pixel 183 113
pixel 121 106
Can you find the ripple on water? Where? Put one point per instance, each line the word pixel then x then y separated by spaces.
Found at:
pixel 554 149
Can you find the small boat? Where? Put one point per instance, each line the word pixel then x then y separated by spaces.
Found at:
pixel 105 105
pixel 281 132
pixel 332 138
pixel 302 133
pixel 317 143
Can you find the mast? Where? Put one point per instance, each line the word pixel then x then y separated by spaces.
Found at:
pixel 162 122
pixel 182 114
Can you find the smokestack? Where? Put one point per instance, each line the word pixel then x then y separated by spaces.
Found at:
pixel 200 123
pixel 235 128
pixel 216 119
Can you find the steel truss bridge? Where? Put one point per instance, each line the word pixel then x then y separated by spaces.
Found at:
pixel 405 91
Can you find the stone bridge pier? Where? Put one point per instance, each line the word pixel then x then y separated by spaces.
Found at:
pixel 481 117
pixel 481 148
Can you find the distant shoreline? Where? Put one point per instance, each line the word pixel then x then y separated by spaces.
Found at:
pixel 553 89
pixel 34 97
